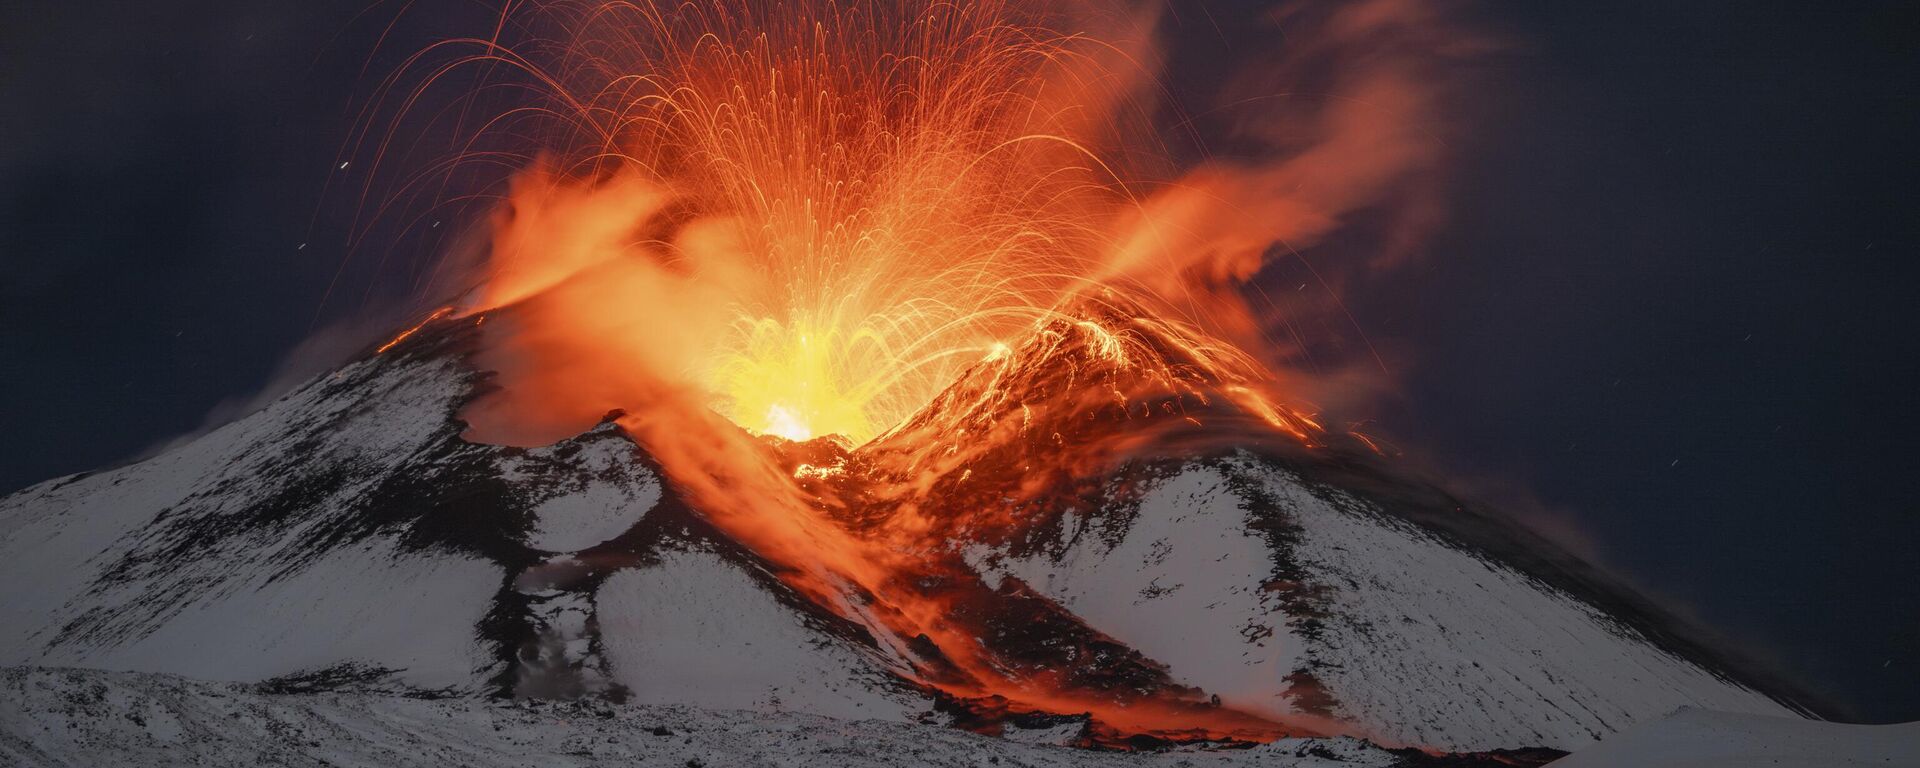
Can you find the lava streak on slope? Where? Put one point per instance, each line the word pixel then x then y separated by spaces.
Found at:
pixel 945 233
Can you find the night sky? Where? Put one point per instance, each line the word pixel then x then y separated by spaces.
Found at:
pixel 1670 318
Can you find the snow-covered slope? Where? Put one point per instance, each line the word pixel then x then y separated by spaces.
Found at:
pixel 695 629
pixel 293 538
pixel 348 532
pixel 1698 738
pixel 1285 598
pixel 51 718
pixel 349 527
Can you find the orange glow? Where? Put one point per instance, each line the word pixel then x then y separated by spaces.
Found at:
pixel 844 204
pixel 939 232
pixel 404 335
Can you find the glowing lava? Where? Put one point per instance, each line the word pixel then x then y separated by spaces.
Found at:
pixel 794 384
pixel 944 231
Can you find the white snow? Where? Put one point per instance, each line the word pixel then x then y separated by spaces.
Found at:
pixel 1697 738
pixel 606 491
pixel 50 718
pixel 1427 644
pixel 372 605
pixel 699 631
pixel 1422 643
pixel 1419 642
pixel 222 612
pixel 1182 585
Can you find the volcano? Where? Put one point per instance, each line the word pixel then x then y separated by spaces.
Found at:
pixel 1199 586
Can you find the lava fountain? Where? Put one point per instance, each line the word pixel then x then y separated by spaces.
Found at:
pixel 947 235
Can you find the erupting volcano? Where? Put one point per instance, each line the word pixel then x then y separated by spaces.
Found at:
pixel 905 345
pixel 819 219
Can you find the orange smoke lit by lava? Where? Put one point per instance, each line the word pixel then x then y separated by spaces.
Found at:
pixel 815 218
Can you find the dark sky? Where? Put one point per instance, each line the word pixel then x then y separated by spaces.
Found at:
pixel 1674 302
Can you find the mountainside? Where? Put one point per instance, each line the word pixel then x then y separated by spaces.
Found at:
pixel 348 523
pixel 82 718
pixel 347 537
pixel 1697 738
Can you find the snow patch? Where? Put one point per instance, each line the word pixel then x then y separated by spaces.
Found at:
pixel 697 630
pixel 607 490
pixel 1182 584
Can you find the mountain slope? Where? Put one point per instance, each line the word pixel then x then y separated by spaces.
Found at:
pixel 56 717
pixel 317 528
pixel 347 533
pixel 1697 738
pixel 348 524
pixel 1249 583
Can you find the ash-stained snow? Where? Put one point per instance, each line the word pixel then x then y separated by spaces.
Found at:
pixel 564 660
pixel 698 630
pixel 59 717
pixel 1410 639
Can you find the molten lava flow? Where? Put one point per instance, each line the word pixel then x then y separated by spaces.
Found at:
pixel 408 333
pixel 939 232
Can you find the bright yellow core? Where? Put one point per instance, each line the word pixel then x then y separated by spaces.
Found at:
pixel 795 383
